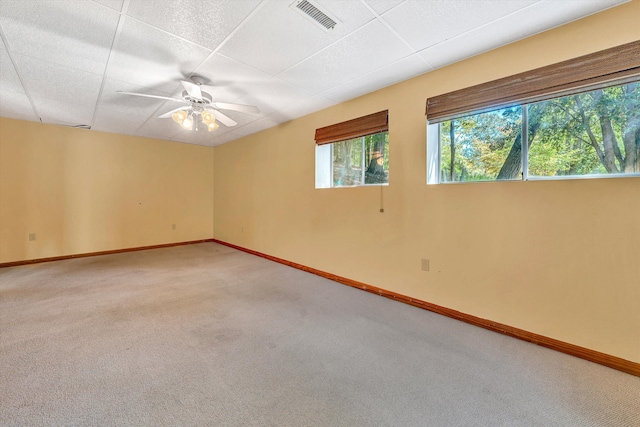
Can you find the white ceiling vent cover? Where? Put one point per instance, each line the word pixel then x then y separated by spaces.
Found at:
pixel 312 12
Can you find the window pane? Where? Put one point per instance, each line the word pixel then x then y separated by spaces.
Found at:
pixel 591 133
pixel 376 158
pixel 482 147
pixel 347 163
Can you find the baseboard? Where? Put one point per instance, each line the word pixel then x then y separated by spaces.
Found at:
pixel 88 254
pixel 614 362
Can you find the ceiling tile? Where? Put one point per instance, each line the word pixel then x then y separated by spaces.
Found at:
pixel 304 107
pixel 228 77
pixel 240 132
pixel 159 129
pixel 426 23
pixel 381 6
pixel 129 104
pixel 267 122
pixel 523 23
pixel 76 33
pixel 403 69
pixel 280 37
pixel 251 128
pixel 369 48
pixel 351 15
pixel 113 4
pixel 272 95
pixel 153 59
pixel 257 125
pixel 65 113
pixel 117 122
pixel 16 106
pixel 204 22
pixel 53 81
pixel 9 80
pixel 240 118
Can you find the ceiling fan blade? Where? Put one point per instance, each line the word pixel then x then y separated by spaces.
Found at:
pixel 192 89
pixel 224 119
pixel 152 96
pixel 250 109
pixel 168 114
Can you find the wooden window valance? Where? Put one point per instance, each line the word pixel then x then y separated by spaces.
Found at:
pixel 362 126
pixel 619 64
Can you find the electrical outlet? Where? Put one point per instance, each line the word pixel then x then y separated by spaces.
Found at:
pixel 32 237
pixel 173 226
pixel 425 264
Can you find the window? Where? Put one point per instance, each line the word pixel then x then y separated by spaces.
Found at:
pixel 476 148
pixel 593 133
pixel 596 133
pixel 353 153
pixel 580 131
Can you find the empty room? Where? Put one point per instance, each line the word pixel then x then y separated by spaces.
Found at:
pixel 320 212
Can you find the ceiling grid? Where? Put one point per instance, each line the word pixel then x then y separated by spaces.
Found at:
pixel 123 11
pixel 66 62
pixel 12 63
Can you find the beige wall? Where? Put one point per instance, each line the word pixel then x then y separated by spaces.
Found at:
pixel 558 258
pixel 84 191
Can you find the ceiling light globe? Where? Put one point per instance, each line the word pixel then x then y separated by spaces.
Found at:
pixel 179 116
pixel 187 123
pixel 208 118
pixel 212 126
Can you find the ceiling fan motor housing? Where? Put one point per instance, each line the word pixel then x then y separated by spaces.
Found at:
pixel 206 99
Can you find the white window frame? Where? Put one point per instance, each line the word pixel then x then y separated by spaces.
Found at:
pixel 324 166
pixel 434 157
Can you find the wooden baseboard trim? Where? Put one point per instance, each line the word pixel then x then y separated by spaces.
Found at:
pixel 614 362
pixel 88 254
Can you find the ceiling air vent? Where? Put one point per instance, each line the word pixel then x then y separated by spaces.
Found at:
pixel 312 12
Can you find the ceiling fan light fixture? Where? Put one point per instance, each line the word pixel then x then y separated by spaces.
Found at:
pixel 187 123
pixel 201 109
pixel 179 116
pixel 207 117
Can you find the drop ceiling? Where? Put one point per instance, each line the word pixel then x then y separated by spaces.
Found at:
pixel 63 61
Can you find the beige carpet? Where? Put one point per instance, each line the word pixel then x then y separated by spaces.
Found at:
pixel 207 335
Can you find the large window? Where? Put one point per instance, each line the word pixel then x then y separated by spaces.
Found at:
pixel 353 153
pixel 596 133
pixel 578 118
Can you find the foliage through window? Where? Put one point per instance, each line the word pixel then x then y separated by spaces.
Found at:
pixel 354 162
pixel 595 133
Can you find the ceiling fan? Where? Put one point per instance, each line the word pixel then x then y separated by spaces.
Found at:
pixel 200 107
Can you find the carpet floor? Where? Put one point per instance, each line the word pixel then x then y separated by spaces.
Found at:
pixel 207 335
